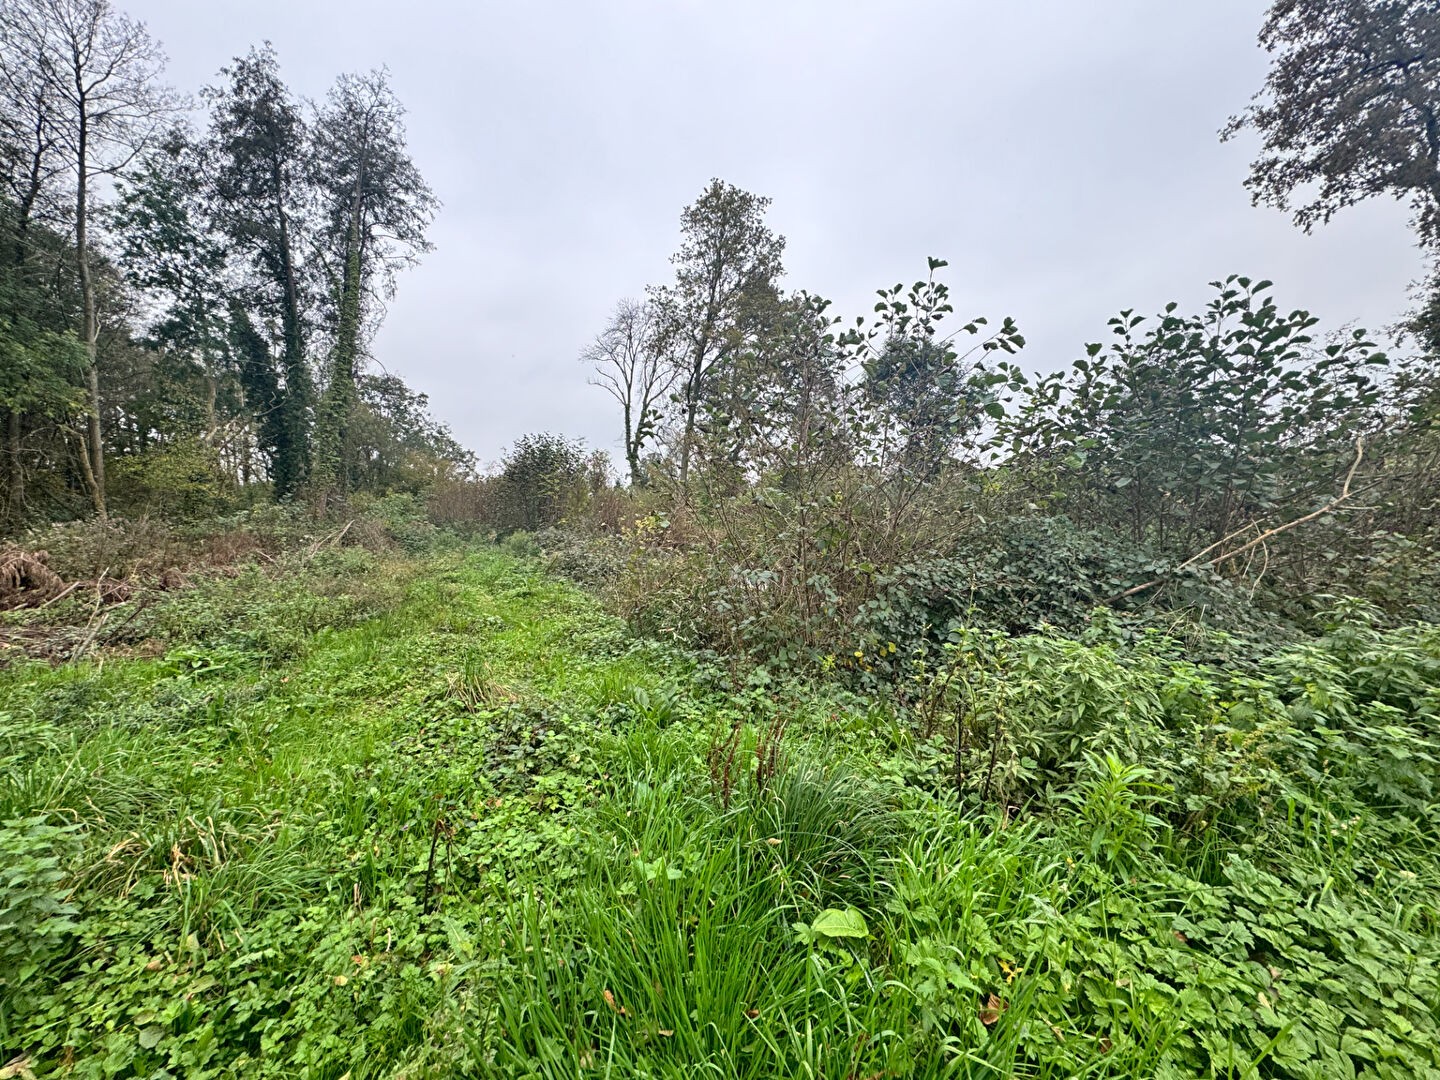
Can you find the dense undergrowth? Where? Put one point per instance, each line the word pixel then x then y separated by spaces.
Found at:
pixel 362 814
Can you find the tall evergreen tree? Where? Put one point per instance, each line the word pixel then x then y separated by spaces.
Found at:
pixel 375 209
pixel 256 148
pixel 166 250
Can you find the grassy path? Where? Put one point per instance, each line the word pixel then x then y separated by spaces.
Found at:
pixel 252 839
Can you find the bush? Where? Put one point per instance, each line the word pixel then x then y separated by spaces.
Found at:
pixel 521 544
pixel 1347 725
pixel 544 481
pixel 118 548
pixel 1028 572
pixel 464 505
pixel 396 518
pixel 179 481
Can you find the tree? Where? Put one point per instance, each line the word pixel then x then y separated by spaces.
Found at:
pixel 931 396
pixel 920 395
pixel 260 385
pixel 29 134
pixel 375 209
pixel 101 68
pixel 30 162
pixel 630 367
pixel 1350 110
pixel 543 479
pixel 725 274
pixel 40 368
pixel 256 146
pixel 1189 429
pixel 776 412
pixel 166 250
pixel 398 444
pixel 1424 323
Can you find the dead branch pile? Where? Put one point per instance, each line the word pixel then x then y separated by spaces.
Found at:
pixel 25 579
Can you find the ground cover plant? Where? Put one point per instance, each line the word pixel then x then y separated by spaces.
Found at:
pixel 481 828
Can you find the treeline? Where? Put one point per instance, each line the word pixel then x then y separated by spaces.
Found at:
pixel 803 486
pixel 841 490
pixel 810 487
pixel 188 287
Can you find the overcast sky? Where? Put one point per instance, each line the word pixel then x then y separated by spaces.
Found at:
pixel 1062 156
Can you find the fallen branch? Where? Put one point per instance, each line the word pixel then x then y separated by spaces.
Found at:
pixel 1194 560
pixel 327 540
pixel 61 595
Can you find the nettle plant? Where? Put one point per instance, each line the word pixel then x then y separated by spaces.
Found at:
pixel 36 913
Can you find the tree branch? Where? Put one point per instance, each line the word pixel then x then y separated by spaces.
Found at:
pixel 1194 560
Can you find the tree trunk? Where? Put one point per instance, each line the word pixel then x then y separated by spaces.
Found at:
pixel 632 439
pixel 692 403
pixel 342 376
pixel 15 472
pixel 697 371
pixel 685 440
pixel 212 393
pixel 333 456
pixel 292 455
pixel 25 210
pixel 15 484
pixel 90 324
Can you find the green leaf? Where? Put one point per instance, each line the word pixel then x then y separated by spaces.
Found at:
pixel 150 1037
pixel 834 923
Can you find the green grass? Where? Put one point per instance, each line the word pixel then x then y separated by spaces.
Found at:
pixel 460 822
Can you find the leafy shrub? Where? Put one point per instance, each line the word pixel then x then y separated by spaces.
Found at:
pixel 1186 427
pixel 36 914
pixel 592 559
pixel 465 505
pixel 178 481
pixel 117 548
pixel 544 479
pixel 1347 724
pixel 1399 574
pixel 521 544
pixel 1026 573
pixel 397 517
pixel 259 614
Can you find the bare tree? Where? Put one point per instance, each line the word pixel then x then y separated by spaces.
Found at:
pixel 29 135
pixel 100 69
pixel 29 163
pixel 632 369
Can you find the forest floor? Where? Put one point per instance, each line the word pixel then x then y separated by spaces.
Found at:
pixel 442 815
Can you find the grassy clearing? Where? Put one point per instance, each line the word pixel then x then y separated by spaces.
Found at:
pixel 462 823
